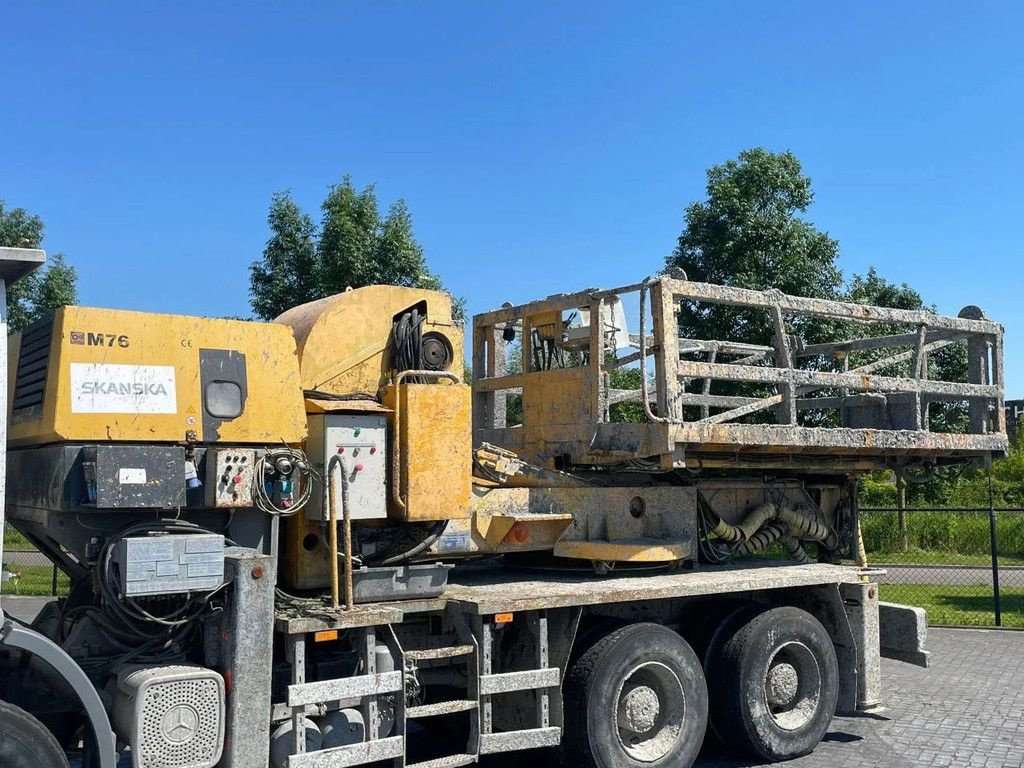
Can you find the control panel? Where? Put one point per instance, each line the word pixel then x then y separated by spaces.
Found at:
pixel 169 564
pixel 361 442
pixel 229 477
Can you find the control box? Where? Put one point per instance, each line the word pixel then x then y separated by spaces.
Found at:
pixel 230 473
pixel 169 563
pixel 361 442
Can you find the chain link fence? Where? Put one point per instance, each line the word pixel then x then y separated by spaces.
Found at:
pixel 965 566
pixel 26 571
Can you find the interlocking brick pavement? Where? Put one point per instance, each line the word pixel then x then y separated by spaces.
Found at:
pixel 966 711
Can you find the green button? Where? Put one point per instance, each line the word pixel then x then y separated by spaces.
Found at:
pixel 357 431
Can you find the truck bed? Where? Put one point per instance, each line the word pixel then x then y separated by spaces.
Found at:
pixel 490 588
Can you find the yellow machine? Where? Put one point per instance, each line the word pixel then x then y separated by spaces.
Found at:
pixel 115 376
pixel 130 410
pixel 394 355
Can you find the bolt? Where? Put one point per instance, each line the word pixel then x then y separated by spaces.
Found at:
pixel 258 572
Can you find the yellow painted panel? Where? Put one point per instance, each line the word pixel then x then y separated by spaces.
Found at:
pixel 344 340
pixel 306 558
pixel 652 551
pixel 115 375
pixel 558 397
pixel 435 452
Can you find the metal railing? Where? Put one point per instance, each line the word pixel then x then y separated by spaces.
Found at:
pixel 860 402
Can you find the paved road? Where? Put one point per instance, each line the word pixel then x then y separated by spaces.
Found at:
pixel 956 575
pixel 966 711
pixel 24 557
pixel 23 608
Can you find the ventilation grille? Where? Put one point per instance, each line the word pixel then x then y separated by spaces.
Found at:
pixel 30 379
pixel 179 724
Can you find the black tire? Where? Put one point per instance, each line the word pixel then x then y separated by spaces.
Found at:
pixel 641 676
pixel 776 683
pixel 25 742
pixel 712 652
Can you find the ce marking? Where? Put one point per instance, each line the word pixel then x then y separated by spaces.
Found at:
pixel 186 343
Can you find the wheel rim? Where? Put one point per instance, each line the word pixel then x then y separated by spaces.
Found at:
pixel 650 709
pixel 793 686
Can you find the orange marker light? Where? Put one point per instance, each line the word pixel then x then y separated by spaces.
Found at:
pixel 325 635
pixel 503 618
pixel 519 534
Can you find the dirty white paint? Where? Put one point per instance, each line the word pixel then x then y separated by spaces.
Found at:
pixel 108 388
pixel 131 476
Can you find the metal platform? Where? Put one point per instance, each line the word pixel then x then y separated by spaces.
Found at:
pixel 873 398
pixel 489 589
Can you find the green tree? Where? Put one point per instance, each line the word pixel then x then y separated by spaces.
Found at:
pixel 288 275
pixel 353 246
pixel 748 233
pixel 42 292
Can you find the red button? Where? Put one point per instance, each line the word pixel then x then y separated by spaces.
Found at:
pixel 359 467
pixel 237 479
pixel 373 449
pixel 341 449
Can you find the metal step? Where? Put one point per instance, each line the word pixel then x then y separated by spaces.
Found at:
pixel 507 682
pixel 449 652
pixel 509 741
pixel 351 754
pixel 451 761
pixel 440 708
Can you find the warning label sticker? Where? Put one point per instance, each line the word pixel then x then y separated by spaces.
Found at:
pixel 107 388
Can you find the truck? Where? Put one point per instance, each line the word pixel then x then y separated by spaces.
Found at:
pixel 310 543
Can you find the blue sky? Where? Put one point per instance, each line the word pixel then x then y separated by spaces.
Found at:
pixel 541 147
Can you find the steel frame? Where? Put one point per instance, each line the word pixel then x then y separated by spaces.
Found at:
pixel 687 420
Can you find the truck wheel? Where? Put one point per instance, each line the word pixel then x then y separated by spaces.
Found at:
pixel 25 742
pixel 636 698
pixel 776 684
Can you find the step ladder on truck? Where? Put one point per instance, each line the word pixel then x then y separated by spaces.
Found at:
pixel 308 543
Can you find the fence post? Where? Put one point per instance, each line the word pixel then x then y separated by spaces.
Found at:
pixel 53 582
pixel 993 544
pixel 901 507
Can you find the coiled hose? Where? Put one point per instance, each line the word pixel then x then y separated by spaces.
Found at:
pixel 768 523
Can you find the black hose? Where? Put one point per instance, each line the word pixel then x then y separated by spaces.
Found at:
pixel 434 535
pixel 407 342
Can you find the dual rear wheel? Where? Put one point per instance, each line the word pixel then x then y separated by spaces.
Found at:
pixel 638 697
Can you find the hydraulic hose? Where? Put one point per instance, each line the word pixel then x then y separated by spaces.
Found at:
pixel 764 538
pixel 751 524
pixel 795 550
pixel 768 523
pixel 807 527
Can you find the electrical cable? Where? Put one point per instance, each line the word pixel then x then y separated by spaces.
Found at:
pixel 407 343
pixel 316 394
pixel 433 536
pixel 267 463
pixel 128 620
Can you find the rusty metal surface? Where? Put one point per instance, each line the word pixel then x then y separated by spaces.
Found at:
pixel 817 412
